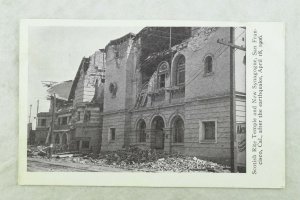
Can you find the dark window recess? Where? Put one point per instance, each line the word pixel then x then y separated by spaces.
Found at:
pixel 112 133
pixel 64 121
pixel 208 64
pixel 180 71
pixel 178 131
pixel 87 116
pixel 209 130
pixel 117 54
pixel 43 122
pixel 85 144
pixel 162 80
pixel 142 131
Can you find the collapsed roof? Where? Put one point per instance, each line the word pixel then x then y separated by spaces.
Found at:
pixel 61 90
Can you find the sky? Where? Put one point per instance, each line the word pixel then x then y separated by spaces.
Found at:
pixel 54 54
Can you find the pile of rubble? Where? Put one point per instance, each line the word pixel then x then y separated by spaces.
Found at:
pixel 37 151
pixel 151 160
pixel 135 159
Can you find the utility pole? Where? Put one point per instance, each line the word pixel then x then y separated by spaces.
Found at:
pixel 170 93
pixel 232 103
pixel 49 140
pixel 233 146
pixel 171 58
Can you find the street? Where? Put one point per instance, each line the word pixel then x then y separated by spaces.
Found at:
pixel 42 165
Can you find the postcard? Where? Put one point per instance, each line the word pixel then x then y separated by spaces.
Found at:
pixel 152 103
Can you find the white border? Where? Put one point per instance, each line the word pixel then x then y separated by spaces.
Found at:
pixel 271 175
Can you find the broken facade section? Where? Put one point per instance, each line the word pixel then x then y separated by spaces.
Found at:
pixel 77 108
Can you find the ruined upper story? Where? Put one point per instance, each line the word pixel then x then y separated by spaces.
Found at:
pixel 143 71
pixel 89 80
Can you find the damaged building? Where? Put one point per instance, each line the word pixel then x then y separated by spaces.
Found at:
pixel 165 88
pixel 77 106
pixel 169 89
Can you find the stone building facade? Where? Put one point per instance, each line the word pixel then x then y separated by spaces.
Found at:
pixel 164 88
pixel 173 99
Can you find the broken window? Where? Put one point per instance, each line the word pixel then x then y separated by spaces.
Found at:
pixel 162 80
pixel 208 64
pixel 209 130
pixel 112 133
pixel 180 71
pixel 85 144
pixel 178 130
pixel 163 70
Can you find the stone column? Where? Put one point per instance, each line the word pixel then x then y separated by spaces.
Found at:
pixel 167 140
pixel 148 138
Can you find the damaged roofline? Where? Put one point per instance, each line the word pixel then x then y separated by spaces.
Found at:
pixel 77 76
pixel 120 40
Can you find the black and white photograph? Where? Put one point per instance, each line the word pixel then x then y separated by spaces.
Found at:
pixel 136 99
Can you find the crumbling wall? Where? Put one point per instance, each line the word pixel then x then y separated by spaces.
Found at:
pixel 91 74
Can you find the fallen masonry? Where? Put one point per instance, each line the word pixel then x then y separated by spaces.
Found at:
pixel 135 159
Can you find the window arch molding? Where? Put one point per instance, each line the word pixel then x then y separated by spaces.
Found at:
pixel 154 115
pixel 208 62
pixel 176 69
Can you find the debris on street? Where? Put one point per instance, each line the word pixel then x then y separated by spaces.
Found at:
pixel 135 159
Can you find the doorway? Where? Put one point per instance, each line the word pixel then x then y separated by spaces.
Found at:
pixel 157 137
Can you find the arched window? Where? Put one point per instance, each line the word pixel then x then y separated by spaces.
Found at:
pixel 141 131
pixel 180 71
pixel 208 62
pixel 178 130
pixel 163 71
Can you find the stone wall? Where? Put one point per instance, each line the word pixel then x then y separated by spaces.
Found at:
pixel 196 113
pixel 113 121
pixel 198 83
pixel 119 67
pixel 205 98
